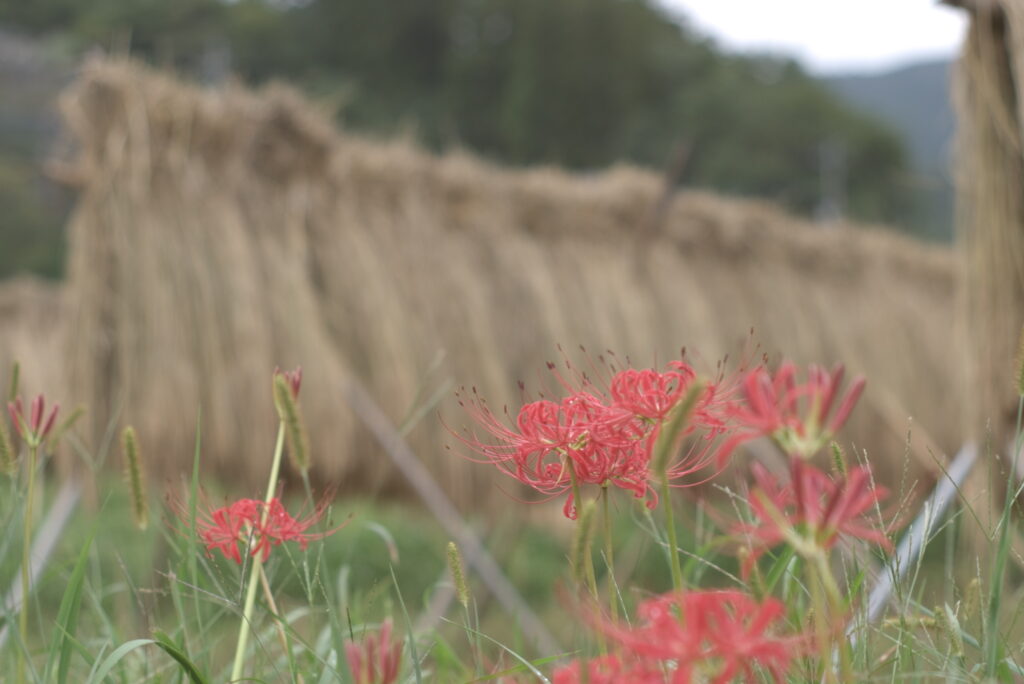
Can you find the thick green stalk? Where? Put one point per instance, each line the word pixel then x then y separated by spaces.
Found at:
pixel 609 552
pixel 26 552
pixel 257 564
pixel 836 607
pixel 670 530
pixel 588 560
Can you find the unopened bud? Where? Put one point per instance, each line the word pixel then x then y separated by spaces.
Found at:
pixel 288 411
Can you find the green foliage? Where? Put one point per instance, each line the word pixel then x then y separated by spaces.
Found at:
pixel 30 228
pixel 579 83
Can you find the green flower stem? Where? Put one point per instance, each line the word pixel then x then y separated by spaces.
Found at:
pixel 821 624
pixel 26 552
pixel 257 565
pixel 609 552
pixel 670 530
pixel 577 504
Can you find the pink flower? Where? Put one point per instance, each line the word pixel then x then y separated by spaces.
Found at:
pixel 798 417
pixel 602 441
pixel 812 509
pixel 33 430
pixel 717 634
pixel 377 659
pixel 226 527
pixel 648 393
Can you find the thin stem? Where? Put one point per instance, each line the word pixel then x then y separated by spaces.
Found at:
pixel 26 552
pixel 670 530
pixel 821 623
pixel 257 564
pixel 837 609
pixel 588 556
pixel 279 623
pixel 609 552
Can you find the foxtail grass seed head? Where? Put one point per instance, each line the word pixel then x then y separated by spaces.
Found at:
pixel 579 558
pixel 458 574
pixel 838 459
pixel 133 473
pixel 1019 377
pixel 972 598
pixel 951 626
pixel 12 390
pixel 295 430
pixel 8 459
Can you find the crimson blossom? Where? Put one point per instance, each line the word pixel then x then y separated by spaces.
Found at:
pixel 377 659
pixel 590 438
pixel 267 524
pixel 813 511
pixel 34 428
pixel 687 636
pixel 797 416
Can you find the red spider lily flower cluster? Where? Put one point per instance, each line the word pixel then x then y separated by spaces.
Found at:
pixel 694 636
pixel 797 416
pixel 32 429
pixel 377 659
pixel 812 511
pixel 265 524
pixel 597 439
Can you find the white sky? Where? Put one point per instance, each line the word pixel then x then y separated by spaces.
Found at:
pixel 830 36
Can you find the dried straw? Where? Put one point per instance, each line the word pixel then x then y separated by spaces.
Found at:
pixel 990 178
pixel 221 233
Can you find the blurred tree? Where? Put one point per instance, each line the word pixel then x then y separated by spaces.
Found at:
pixel 579 83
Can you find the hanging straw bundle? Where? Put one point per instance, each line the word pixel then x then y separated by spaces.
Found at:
pixel 219 234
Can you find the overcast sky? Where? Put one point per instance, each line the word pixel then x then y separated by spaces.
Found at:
pixel 831 36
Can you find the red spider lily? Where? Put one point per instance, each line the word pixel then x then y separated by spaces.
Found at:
pixel 266 524
pixel 221 529
pixel 596 440
pixel 377 659
pixel 608 669
pixel 797 416
pixel 648 393
pixel 293 378
pixel 813 511
pixel 33 430
pixel 715 635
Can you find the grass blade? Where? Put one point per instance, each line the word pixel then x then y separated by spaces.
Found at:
pixel 116 656
pixel 408 625
pixel 67 616
pixel 172 649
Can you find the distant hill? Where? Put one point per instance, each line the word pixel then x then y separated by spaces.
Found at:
pixel 915 101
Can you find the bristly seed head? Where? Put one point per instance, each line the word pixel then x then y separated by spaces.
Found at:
pixel 133 473
pixel 8 459
pixel 12 390
pixel 458 571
